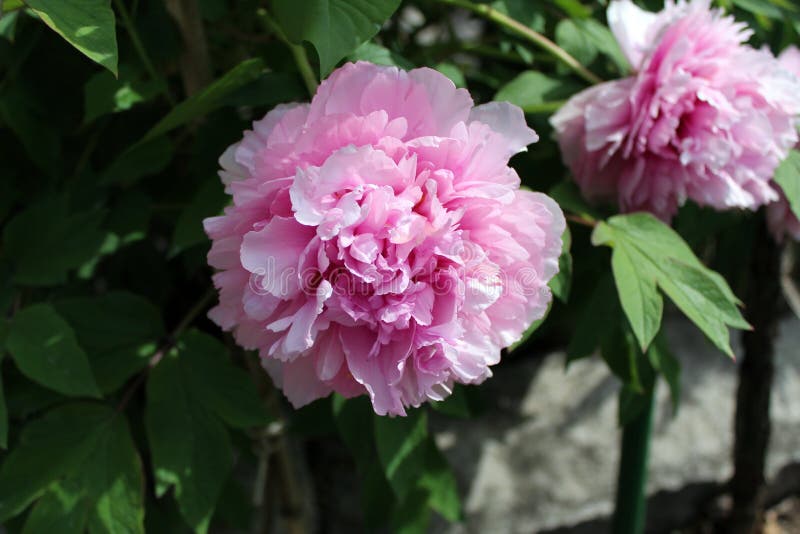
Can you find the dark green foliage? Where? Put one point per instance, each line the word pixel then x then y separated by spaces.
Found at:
pixel 122 408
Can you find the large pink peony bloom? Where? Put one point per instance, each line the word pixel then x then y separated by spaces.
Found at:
pixel 378 242
pixel 703 117
pixel 780 217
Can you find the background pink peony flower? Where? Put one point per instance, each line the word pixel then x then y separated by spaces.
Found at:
pixel 703 117
pixel 378 242
pixel 780 217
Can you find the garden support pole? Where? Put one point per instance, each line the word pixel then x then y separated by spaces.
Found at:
pixel 631 506
pixel 752 424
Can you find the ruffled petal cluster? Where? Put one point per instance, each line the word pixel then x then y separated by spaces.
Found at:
pixel 703 117
pixel 378 242
pixel 781 219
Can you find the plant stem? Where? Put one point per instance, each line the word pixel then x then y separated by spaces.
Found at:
pixel 184 323
pixel 752 423
pixel 140 50
pixel 489 13
pixel 544 107
pixel 631 506
pixel 298 52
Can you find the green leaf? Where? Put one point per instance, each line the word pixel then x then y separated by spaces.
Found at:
pixel 587 38
pixel 573 8
pixel 104 94
pixel 379 55
pixel 335 27
pixel 638 294
pixel 29 121
pixel 453 72
pixel 597 318
pixel 45 349
pixel 354 422
pixel 209 99
pixel 575 41
pixel 787 175
pixel 520 10
pixel 103 490
pixel 188 393
pixel 647 250
pixel 207 202
pixel 46 229
pixel 119 331
pixel 3 417
pixel 561 283
pixel 440 482
pixel 667 366
pixel 458 404
pixel 760 7
pixel 139 161
pixel 532 89
pixel 621 353
pixel 266 90
pixel 224 389
pixel 401 448
pixel 87 25
pixel 61 509
pixel 49 448
pixel 8 25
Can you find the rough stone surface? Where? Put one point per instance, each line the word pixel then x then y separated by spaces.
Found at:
pixel 545 455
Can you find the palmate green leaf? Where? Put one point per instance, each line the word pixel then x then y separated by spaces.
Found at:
pixel 46 241
pixel 119 331
pixel 335 27
pixel 44 347
pixel 189 395
pixel 646 251
pixel 209 99
pixel 638 294
pixel 80 457
pixel 88 25
pixel 787 175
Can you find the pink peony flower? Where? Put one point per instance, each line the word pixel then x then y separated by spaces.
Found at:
pixel 703 117
pixel 780 217
pixel 378 242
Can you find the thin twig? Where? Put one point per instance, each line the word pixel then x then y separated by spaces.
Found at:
pixel 184 323
pixel 544 107
pixel 790 291
pixel 580 220
pixel 195 62
pixel 140 50
pixel 488 12
pixel 299 53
